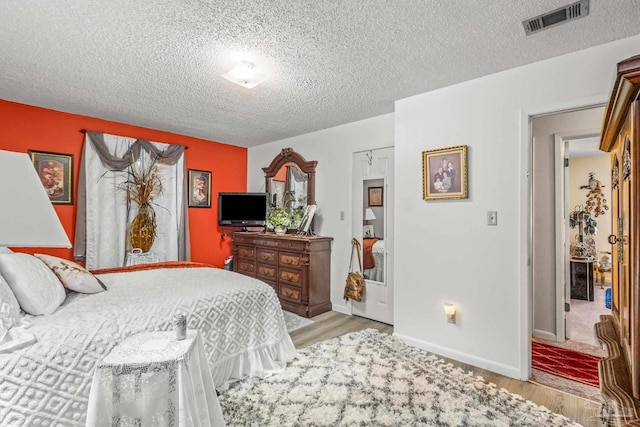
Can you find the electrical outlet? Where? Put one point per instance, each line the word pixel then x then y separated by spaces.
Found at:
pixel 341 215
pixel 492 218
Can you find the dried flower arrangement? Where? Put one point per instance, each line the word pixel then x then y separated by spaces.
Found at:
pixel 143 184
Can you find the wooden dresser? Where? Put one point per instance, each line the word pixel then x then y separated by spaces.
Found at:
pixel 297 268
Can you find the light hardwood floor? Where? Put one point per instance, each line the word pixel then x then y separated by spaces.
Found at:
pixel 333 324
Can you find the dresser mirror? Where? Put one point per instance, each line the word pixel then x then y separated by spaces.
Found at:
pixel 290 181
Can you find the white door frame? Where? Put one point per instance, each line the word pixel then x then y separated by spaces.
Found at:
pixel 562 254
pixel 526 204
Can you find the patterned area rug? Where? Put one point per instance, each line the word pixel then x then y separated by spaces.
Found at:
pixel 295 322
pixel 565 363
pixel 370 378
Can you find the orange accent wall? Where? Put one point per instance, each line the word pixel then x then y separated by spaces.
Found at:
pixel 24 127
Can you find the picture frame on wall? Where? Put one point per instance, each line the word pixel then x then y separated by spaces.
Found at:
pixel 199 189
pixel 376 196
pixel 55 171
pixel 444 173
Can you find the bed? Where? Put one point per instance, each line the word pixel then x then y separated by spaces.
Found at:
pixel 374 268
pixel 48 382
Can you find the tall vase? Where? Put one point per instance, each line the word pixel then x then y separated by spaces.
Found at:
pixel 142 232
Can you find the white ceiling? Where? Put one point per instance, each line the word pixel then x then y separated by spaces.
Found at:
pixel 585 147
pixel 158 63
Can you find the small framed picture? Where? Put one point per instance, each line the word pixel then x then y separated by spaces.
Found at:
pixel 444 173
pixel 367 231
pixel 375 196
pixel 55 171
pixel 305 224
pixel 199 189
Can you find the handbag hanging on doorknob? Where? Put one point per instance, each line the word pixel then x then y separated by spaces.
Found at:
pixel 354 287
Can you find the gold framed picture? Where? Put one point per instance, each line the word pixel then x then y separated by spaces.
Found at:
pixel 444 173
pixel 55 171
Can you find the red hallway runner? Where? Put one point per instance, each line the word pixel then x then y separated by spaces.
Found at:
pixel 565 363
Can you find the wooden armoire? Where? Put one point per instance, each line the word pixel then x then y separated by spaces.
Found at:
pixel 619 371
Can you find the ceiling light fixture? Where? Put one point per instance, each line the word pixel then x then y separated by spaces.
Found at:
pixel 245 74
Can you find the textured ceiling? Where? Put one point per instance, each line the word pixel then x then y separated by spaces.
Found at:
pixel 158 63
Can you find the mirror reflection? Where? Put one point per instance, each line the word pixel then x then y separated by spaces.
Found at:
pixel 289 188
pixel 373 230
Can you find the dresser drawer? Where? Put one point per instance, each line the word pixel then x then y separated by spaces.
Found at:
pixel 265 242
pixel 290 277
pixel 291 244
pixel 287 259
pixel 265 271
pixel 246 267
pixel 246 252
pixel 267 256
pixel 289 293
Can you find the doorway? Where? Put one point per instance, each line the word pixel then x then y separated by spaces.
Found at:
pixel 551 229
pixel 587 203
pixel 566 240
pixel 373 210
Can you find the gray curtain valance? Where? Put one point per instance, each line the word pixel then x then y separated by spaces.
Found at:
pixel 169 156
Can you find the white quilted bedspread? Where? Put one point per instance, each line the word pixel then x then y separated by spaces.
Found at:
pixel 239 318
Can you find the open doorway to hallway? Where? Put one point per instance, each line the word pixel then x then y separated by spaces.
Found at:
pixel 587 199
pixel 569 230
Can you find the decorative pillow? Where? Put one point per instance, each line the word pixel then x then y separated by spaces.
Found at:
pixel 36 288
pixel 5 250
pixel 9 308
pixel 73 276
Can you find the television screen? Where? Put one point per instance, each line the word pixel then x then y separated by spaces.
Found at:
pixel 242 209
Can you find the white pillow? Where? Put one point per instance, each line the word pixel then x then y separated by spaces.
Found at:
pixel 5 250
pixel 9 308
pixel 36 288
pixel 73 276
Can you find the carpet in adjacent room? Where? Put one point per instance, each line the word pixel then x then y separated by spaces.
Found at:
pixel 565 370
pixel 371 378
pixel 569 364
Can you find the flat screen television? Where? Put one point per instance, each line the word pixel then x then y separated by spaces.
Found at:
pixel 242 209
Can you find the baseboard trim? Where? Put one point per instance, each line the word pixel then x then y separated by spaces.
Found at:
pixel 470 359
pixel 544 335
pixel 344 309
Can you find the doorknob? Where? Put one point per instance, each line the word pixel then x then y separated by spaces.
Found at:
pixel 613 239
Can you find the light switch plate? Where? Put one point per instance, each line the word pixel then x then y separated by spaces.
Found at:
pixel 492 218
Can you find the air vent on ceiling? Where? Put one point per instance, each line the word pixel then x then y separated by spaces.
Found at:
pixel 572 11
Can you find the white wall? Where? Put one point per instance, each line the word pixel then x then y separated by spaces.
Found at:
pixel 333 149
pixel 568 125
pixel 444 249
